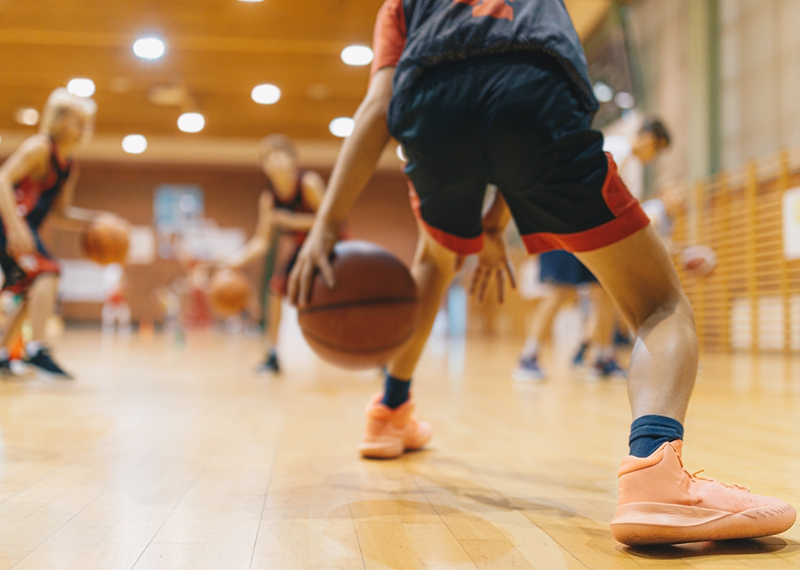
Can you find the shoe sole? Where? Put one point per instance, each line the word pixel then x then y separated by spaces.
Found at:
pixel 659 523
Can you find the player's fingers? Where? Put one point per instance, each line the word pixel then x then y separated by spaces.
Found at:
pixel 512 279
pixel 476 277
pixel 500 286
pixel 306 274
pixel 327 271
pixel 487 275
pixel 292 288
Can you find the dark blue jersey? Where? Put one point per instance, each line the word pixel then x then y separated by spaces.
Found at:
pixel 443 31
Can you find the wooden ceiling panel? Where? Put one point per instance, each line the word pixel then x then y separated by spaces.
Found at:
pixel 218 50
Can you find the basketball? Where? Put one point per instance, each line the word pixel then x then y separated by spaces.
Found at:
pixel 106 242
pixel 229 292
pixel 370 313
pixel 698 260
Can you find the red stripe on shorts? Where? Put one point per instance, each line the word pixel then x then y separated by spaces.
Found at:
pixel 459 245
pixel 629 218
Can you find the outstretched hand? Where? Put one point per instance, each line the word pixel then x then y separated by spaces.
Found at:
pixel 493 263
pixel 313 256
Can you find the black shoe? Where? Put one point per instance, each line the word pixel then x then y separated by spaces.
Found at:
pixel 270 365
pixel 45 363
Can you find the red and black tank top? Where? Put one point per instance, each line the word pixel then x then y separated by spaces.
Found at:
pixel 296 204
pixel 35 198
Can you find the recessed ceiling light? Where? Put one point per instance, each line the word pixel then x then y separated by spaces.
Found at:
pixel 191 122
pixel 149 47
pixel 81 87
pixel 266 94
pixel 357 55
pixel 342 127
pixel 624 100
pixel 603 92
pixel 27 116
pixel 134 144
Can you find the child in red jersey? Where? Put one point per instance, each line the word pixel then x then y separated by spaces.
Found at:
pixel 288 206
pixel 38 182
pixel 498 92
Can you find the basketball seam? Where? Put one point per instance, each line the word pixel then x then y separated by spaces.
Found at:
pixel 340 348
pixel 346 304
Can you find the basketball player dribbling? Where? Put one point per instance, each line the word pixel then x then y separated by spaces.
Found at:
pixel 36 182
pixel 288 206
pixel 498 92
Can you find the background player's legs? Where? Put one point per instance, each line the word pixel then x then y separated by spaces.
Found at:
pixel 639 275
pixel 42 301
pixel 600 332
pixel 433 269
pixel 540 328
pixel 274 308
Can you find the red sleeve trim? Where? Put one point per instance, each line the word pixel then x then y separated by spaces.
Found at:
pixel 389 39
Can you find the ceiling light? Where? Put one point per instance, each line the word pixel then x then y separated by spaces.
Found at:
pixel 265 94
pixel 624 100
pixel 357 55
pixel 191 122
pixel 27 116
pixel 149 48
pixel 81 87
pixel 603 92
pixel 400 154
pixel 134 144
pixel 342 127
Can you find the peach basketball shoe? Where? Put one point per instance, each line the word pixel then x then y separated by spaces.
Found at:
pixel 662 503
pixel 389 432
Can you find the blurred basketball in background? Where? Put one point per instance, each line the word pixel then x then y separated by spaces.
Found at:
pixel 228 292
pixel 698 260
pixel 106 242
pixel 369 315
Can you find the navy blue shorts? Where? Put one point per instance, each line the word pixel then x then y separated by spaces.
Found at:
pixel 562 268
pixel 16 278
pixel 516 122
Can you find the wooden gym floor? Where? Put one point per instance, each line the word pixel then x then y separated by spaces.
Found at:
pixel 177 456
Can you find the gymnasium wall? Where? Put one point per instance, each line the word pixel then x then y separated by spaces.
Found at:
pixel 382 214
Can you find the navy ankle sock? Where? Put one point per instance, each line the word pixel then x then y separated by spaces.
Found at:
pixel 648 433
pixel 396 391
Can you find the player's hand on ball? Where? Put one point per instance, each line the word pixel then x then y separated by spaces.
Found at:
pixel 493 263
pixel 20 240
pixel 314 255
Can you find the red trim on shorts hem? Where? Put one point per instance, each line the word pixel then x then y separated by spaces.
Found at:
pixel 629 218
pixel 456 244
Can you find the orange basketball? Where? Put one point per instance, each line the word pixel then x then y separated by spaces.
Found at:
pixel 371 312
pixel 229 292
pixel 106 242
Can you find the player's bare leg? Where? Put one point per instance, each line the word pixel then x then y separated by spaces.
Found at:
pixel 659 500
pixel 275 307
pixel 539 330
pixel 601 334
pixel 41 304
pixel 391 429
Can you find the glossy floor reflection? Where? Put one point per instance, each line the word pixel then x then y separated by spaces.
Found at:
pixel 165 455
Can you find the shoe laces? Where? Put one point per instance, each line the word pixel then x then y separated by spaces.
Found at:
pixel 694 477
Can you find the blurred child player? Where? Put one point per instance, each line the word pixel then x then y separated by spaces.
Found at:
pixel 498 92
pixel 288 206
pixel 565 272
pixel 37 182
